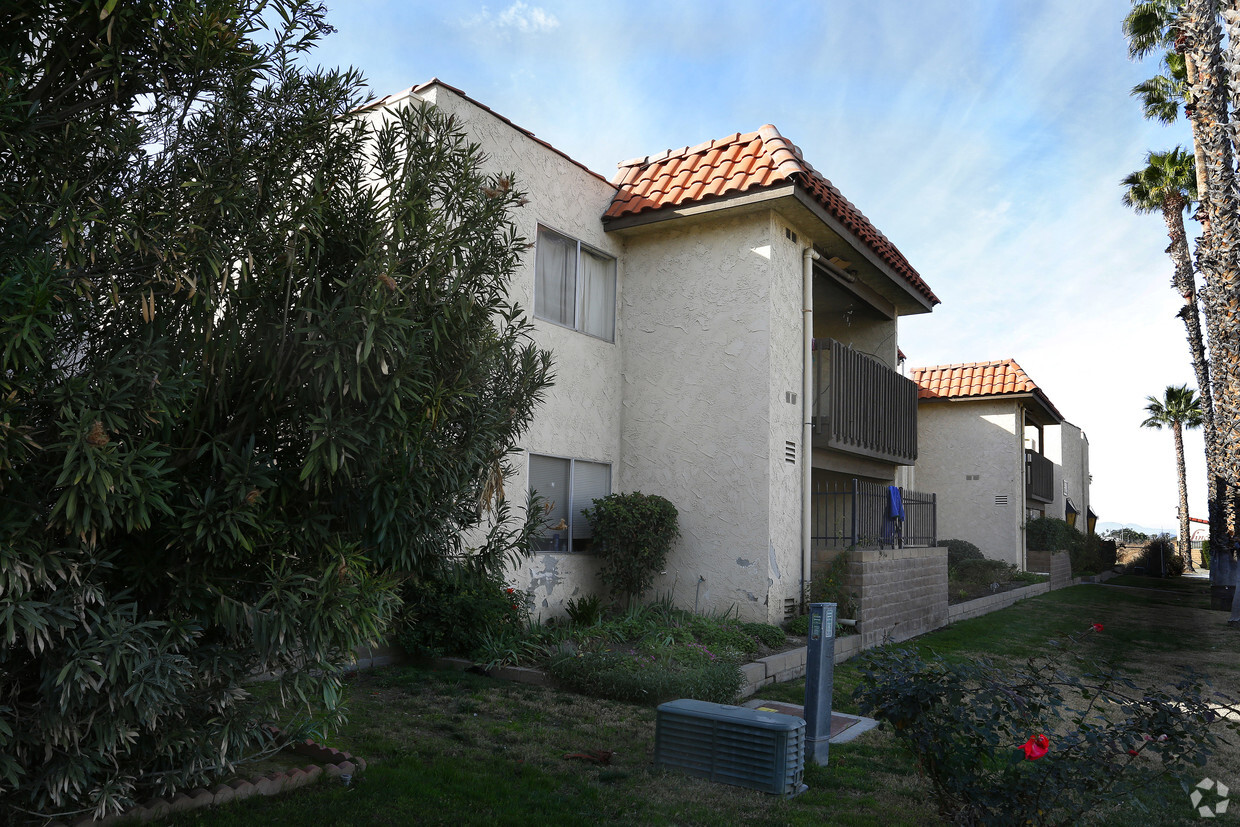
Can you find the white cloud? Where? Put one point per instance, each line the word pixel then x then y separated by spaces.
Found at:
pixel 519 17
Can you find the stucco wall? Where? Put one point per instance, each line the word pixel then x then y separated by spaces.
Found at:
pixel 581 415
pixel 961 439
pixel 1068 447
pixel 696 424
pixel 853 324
pixel 784 496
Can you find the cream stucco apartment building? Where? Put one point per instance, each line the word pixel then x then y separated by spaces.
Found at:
pixel 997 452
pixel 682 303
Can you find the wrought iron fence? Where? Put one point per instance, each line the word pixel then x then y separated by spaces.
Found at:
pixel 858 515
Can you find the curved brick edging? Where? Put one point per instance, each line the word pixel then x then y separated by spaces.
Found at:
pixel 333 762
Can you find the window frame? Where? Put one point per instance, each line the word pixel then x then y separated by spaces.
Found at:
pixel 578 282
pixel 571 511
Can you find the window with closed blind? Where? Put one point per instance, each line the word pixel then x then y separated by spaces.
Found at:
pixel 567 486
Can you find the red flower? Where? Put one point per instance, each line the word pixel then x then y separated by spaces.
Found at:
pixel 1097 627
pixel 509 591
pixel 1036 747
pixel 1133 752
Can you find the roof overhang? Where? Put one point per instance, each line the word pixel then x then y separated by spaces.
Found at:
pixel 1043 412
pixel 874 276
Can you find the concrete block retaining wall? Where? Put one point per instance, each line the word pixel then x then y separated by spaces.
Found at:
pixel 908 578
pixel 903 592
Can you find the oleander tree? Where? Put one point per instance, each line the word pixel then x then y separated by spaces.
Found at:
pixel 257 365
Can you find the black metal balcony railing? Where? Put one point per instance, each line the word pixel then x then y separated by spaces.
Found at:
pixel 861 406
pixel 858 515
pixel 1039 477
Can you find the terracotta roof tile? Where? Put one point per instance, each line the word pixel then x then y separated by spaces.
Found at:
pixel 1002 377
pixel 736 164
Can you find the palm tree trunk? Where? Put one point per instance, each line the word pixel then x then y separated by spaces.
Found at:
pixel 1218 248
pixel 1186 546
pixel 1199 154
pixel 1184 282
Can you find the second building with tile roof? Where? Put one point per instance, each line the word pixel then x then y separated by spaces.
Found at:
pixel 997 452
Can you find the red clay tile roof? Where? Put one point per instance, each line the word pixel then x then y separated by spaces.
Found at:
pixel 1002 377
pixel 740 163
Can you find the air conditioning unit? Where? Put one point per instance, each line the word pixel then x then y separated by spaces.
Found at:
pixel 732 745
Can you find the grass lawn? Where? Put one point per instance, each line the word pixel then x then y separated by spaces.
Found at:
pixel 457 748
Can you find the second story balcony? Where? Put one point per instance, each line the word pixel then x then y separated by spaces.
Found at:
pixel 1039 477
pixel 861 406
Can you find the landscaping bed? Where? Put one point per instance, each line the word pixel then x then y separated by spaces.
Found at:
pixel 460 748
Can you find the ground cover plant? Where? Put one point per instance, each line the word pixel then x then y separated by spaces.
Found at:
pixel 646 653
pixel 463 749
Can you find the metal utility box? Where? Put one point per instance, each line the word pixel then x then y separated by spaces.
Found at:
pixel 732 745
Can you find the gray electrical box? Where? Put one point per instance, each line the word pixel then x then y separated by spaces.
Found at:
pixel 819 681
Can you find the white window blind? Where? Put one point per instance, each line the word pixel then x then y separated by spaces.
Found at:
pixel 574 286
pixel 555 286
pixel 591 481
pixel 598 295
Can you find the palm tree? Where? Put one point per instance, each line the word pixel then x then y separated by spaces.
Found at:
pixel 1179 409
pixel 1168 186
pixel 1153 25
pixel 1218 253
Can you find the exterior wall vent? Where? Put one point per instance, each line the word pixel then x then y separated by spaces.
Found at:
pixel 790 235
pixel 972 476
pixel 790 452
pixel 1001 500
pixel 790 397
pixel 790 608
pixel 732 745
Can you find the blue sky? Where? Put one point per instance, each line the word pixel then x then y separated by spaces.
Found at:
pixel 985 139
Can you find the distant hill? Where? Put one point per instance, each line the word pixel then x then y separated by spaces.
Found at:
pixel 1103 526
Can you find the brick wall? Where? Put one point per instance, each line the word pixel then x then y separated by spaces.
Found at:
pixel 903 592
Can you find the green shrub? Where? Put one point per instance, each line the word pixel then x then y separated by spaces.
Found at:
pixel 727 637
pixel 1159 558
pixel 689 671
pixel 765 633
pixel 958 550
pixel 798 626
pixel 981 572
pixel 1104 551
pixel 1205 554
pixel 456 610
pixel 633 534
pixel 1035 745
pixel 1051 534
pixel 584 611
pixel 831 586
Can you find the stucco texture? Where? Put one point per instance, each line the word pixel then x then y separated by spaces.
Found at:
pixel 580 417
pixel 957 440
pixel 696 411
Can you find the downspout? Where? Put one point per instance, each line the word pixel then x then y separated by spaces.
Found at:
pixel 807 410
